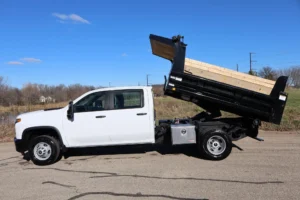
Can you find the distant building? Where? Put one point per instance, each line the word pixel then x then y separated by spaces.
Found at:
pixel 47 99
pixel 42 99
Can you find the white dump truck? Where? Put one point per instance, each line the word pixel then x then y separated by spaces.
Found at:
pixel 126 115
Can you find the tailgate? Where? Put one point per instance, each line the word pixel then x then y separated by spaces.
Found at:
pixel 162 47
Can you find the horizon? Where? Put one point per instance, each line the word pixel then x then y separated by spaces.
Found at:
pixel 102 44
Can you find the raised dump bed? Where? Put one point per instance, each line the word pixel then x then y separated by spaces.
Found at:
pixel 228 76
pixel 215 88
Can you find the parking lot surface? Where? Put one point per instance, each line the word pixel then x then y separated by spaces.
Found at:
pixel 264 170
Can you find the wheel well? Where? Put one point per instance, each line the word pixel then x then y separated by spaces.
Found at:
pixel 207 129
pixel 236 128
pixel 31 133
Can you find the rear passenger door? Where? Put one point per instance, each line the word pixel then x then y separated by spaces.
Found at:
pixel 130 114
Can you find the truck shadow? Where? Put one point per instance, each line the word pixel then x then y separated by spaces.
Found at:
pixel 188 150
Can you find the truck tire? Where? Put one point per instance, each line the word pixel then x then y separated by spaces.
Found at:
pixel 214 145
pixel 44 150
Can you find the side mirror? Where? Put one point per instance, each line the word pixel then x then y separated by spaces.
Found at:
pixel 70 112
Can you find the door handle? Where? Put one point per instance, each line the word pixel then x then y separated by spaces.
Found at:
pixel 101 116
pixel 139 114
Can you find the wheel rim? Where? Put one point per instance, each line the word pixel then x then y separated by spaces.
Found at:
pixel 216 145
pixel 42 151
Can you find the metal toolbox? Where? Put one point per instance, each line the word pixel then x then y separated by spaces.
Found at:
pixel 183 134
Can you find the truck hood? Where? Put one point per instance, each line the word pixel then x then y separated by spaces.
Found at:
pixel 30 113
pixel 40 114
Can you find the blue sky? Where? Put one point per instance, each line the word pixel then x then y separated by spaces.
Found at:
pixel 97 42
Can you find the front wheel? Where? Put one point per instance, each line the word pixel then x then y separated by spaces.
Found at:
pixel 214 145
pixel 44 150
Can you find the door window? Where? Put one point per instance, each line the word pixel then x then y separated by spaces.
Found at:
pixel 93 102
pixel 128 99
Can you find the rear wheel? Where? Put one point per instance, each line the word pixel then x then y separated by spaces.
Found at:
pixel 44 150
pixel 214 145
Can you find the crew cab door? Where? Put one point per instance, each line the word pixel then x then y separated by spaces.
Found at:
pixel 90 126
pixel 130 118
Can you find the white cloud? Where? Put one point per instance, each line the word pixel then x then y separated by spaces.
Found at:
pixel 77 18
pixel 72 18
pixel 60 16
pixel 32 60
pixel 14 63
pixel 124 54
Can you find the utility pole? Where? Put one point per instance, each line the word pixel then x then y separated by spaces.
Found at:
pixel 237 67
pixel 147 77
pixel 109 84
pixel 251 61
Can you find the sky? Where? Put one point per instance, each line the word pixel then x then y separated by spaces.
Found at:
pixel 105 43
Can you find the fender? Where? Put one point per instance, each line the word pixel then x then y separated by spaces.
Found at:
pixel 25 134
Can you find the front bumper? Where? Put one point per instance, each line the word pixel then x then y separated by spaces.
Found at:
pixel 20 145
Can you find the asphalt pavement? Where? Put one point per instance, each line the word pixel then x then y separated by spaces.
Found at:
pixel 264 170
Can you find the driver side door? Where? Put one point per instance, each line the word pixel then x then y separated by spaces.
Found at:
pixel 89 127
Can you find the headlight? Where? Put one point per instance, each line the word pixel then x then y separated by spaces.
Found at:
pixel 18 120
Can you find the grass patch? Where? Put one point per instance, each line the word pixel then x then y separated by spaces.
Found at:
pixel 6 132
pixel 28 108
pixel 291 116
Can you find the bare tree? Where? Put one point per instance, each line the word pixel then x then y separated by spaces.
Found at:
pixel 30 93
pixel 295 76
pixel 14 96
pixel 293 73
pixel 267 73
pixel 3 91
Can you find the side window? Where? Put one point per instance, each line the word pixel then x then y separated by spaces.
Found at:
pixel 128 99
pixel 93 102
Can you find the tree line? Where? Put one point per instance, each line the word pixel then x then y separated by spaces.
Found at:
pixel 30 93
pixel 292 72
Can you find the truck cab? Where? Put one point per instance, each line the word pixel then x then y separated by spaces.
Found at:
pixel 103 117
